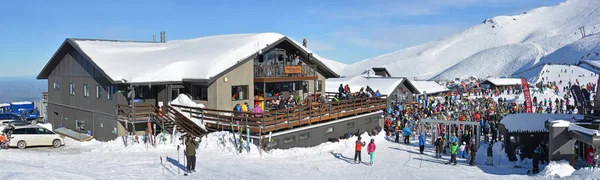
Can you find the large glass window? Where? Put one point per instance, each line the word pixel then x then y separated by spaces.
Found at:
pixel 86 90
pixel 72 89
pixel 239 92
pixel 199 92
pixel 98 91
pixel 319 85
pixel 109 92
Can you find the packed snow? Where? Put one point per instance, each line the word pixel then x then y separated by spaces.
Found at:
pixel 557 169
pixel 499 46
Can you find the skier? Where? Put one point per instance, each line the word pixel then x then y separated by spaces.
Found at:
pixel 439 145
pixel 358 148
pixel 462 150
pixel 519 154
pixel 473 150
pixel 371 150
pixel 406 132
pixel 490 156
pixel 421 142
pixel 3 141
pixel 190 153
pixel 536 159
pixel 453 149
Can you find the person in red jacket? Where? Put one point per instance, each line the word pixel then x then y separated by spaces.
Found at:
pixel 589 154
pixel 358 148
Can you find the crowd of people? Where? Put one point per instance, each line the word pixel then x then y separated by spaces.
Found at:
pixel 487 108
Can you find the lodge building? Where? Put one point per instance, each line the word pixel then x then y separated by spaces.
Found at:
pixel 93 83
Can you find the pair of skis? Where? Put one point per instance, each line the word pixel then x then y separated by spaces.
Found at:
pixel 239 142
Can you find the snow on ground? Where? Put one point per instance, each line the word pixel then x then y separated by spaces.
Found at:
pixel 112 160
pixel 498 46
pixel 586 173
pixel 557 169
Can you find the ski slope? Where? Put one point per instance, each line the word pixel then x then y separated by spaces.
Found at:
pixel 216 160
pixel 499 46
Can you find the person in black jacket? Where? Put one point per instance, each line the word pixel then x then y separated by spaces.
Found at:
pixel 473 149
pixel 490 156
pixel 439 145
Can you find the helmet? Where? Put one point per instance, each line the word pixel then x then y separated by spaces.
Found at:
pixel 372 140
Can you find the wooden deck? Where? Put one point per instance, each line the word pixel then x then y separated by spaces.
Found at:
pixel 282 119
pixel 270 121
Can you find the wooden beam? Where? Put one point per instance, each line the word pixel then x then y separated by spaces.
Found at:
pixel 285 79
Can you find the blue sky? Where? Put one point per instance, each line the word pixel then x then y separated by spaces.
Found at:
pixel 344 30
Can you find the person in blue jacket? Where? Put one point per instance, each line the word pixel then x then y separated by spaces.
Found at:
pixel 406 132
pixel 421 142
pixel 453 138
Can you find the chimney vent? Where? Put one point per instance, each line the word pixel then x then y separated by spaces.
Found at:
pixel 162 37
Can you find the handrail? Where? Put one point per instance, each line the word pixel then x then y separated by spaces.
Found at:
pixel 275 120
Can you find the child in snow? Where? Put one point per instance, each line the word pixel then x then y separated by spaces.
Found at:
pixel 3 141
pixel 371 150
pixel 358 148
pixel 453 149
pixel 462 150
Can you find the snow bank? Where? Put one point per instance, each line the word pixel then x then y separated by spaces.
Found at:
pixel 184 100
pixel 223 143
pixel 586 173
pixel 557 170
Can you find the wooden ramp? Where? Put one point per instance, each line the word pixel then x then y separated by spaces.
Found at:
pixel 73 135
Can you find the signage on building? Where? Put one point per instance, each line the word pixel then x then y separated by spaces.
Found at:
pixel 292 69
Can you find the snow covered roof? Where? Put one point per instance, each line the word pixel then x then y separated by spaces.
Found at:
pixel 200 58
pixel 385 85
pixel 533 122
pixel 22 102
pixel 430 87
pixel 4 104
pixel 503 81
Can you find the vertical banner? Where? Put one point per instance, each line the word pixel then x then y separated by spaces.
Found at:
pixel 464 86
pixel 477 84
pixel 597 97
pixel 527 95
pixel 425 102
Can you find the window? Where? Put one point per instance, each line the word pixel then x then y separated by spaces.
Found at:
pixel 288 140
pixel 319 85
pixel 109 92
pixel 56 85
pixel 329 130
pixel 19 131
pixel 72 89
pixel 86 90
pixel 239 92
pixel 80 125
pixel 98 91
pixel 272 143
pixel 304 136
pixel 199 92
pixel 44 131
pixel 350 125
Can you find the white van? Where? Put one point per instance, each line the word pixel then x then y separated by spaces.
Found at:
pixel 32 135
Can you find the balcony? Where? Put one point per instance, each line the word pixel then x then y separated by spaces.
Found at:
pixel 268 73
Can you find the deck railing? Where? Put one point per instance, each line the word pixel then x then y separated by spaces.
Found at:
pixel 281 119
pixel 278 71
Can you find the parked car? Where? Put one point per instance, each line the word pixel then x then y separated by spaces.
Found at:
pixel 32 135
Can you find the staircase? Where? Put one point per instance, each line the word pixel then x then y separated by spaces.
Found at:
pixel 172 118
